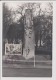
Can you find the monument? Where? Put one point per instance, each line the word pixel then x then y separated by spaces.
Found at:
pixel 29 40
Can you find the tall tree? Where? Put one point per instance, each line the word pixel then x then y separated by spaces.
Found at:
pixel 7 19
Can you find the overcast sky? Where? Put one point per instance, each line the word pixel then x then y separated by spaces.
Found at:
pixel 14 6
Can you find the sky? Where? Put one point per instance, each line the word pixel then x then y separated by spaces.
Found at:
pixel 14 6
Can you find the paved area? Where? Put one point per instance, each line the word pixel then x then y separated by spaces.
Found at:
pixel 43 68
pixel 28 65
pixel 12 72
pixel 26 70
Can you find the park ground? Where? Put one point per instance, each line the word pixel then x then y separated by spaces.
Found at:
pixel 27 69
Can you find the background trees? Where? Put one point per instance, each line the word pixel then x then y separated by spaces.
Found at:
pixel 42 22
pixel 7 20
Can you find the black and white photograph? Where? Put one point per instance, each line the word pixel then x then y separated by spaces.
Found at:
pixel 27 29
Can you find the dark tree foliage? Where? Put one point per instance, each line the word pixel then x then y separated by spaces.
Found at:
pixel 15 32
pixel 43 30
pixel 42 24
pixel 7 20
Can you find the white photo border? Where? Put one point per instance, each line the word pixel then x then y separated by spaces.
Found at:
pixel 53 47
